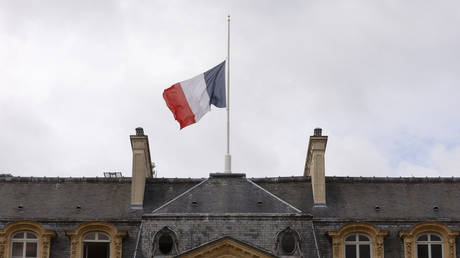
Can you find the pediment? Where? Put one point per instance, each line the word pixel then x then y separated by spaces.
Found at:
pixel 226 247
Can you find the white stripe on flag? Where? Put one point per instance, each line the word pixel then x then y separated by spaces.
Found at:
pixel 197 95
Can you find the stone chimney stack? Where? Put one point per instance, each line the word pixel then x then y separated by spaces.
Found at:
pixel 314 166
pixel 142 167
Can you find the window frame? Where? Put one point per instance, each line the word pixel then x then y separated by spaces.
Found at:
pixel 429 243
pixel 156 242
pixel 25 240
pixel 357 243
pixel 410 238
pixel 280 236
pixel 375 235
pixel 115 238
pixel 43 237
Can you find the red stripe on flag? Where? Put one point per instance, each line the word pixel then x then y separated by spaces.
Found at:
pixel 177 103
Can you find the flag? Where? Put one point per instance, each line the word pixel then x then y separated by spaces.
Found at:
pixel 189 100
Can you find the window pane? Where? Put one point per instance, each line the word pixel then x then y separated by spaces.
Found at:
pixel 422 251
pixel 17 249
pixel 351 238
pixel 363 238
pixel 19 235
pixel 364 251
pixel 350 251
pixel 436 251
pixel 90 236
pixel 96 250
pixel 435 238
pixel 102 236
pixel 31 235
pixel 31 250
pixel 422 238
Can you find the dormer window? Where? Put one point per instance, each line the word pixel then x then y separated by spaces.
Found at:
pixel 165 243
pixel 288 243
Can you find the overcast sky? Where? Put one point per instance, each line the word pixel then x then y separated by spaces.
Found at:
pixel 382 78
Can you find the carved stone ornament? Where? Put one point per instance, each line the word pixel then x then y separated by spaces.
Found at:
pixel 76 236
pixel 44 237
pixel 376 235
pixel 226 248
pixel 410 238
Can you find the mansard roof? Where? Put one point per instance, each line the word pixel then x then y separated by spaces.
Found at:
pixel 373 198
pixel 41 198
pixel 227 194
pixel 65 198
pixel 348 198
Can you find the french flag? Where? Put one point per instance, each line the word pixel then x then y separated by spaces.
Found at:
pixel 189 100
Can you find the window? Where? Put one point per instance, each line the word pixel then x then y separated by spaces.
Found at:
pixel 24 244
pixel 357 246
pixel 287 243
pixel 165 243
pixel 25 239
pixel 96 245
pixel 96 240
pixel 429 246
pixel 358 240
pixel 429 240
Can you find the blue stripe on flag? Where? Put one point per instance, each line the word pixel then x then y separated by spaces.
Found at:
pixel 215 85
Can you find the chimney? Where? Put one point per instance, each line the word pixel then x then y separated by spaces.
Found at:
pixel 314 166
pixel 142 167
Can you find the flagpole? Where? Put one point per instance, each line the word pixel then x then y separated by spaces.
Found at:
pixel 228 157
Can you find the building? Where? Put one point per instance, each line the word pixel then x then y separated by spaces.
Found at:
pixel 229 215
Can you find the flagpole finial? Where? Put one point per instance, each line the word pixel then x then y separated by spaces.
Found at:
pixel 228 17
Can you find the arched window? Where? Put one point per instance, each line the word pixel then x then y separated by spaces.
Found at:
pixel 429 245
pixel 358 240
pixel 287 242
pixel 96 245
pixel 165 243
pixel 25 239
pixel 96 240
pixel 429 240
pixel 24 244
pixel 357 246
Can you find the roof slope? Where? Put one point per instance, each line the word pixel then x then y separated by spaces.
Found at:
pixel 81 198
pixel 359 197
pixel 226 193
pixel 66 198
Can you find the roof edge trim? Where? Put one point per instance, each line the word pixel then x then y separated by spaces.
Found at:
pixel 179 196
pixel 274 196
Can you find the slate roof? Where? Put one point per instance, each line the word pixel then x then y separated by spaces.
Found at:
pixel 348 198
pixel 97 198
pixel 227 194
pixel 357 198
pixel 59 198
